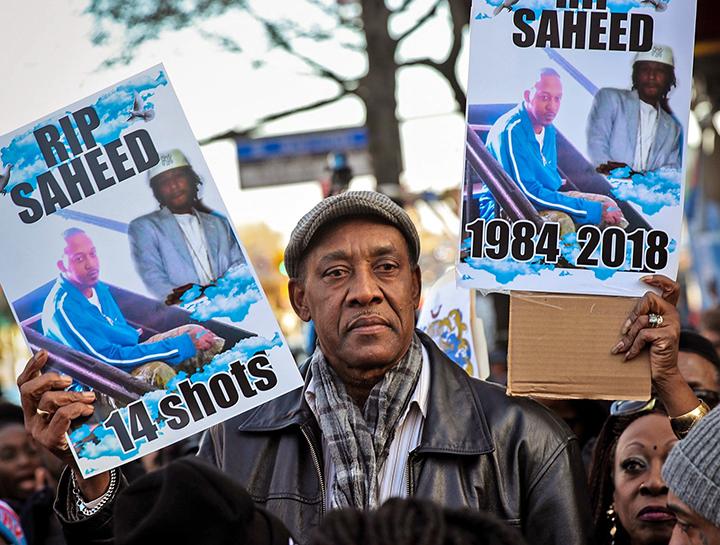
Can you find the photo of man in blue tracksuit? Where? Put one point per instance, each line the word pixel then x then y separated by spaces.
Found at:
pixel 80 312
pixel 524 142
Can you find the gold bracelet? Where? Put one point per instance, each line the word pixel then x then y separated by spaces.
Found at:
pixel 681 425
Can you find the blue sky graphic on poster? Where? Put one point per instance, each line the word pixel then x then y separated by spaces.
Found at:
pixel 113 109
pixel 488 8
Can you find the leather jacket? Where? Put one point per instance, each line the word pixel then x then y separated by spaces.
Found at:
pixel 479 449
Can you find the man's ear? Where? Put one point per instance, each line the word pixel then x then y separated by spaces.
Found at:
pixel 61 265
pixel 417 286
pixel 296 290
pixel 526 96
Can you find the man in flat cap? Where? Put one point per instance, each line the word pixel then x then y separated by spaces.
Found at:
pixel 383 413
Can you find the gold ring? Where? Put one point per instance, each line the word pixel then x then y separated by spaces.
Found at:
pixel 44 414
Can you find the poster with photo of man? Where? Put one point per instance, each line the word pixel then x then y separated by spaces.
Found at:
pixel 576 123
pixel 122 264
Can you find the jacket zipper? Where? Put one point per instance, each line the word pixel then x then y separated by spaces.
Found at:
pixel 408 475
pixel 316 462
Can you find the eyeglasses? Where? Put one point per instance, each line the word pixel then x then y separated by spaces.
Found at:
pixel 621 408
pixel 626 407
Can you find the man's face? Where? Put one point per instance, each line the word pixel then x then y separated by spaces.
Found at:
pixel 543 100
pixel 691 528
pixel 698 372
pixel 18 461
pixel 360 290
pixel 652 80
pixel 175 190
pixel 80 263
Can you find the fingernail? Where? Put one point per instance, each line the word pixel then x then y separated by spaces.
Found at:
pixel 646 278
pixel 617 348
pixel 89 395
pixel 626 326
pixel 65 379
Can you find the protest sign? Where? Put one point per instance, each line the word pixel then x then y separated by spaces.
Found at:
pixel 120 261
pixel 576 123
pixel 448 316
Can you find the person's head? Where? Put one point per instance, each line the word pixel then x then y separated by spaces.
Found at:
pixel 626 479
pixel 411 521
pixel 692 472
pixel 653 75
pixel 19 459
pixel 79 262
pixel 353 268
pixel 699 365
pixel 174 183
pixel 710 327
pixel 543 98
pixel 156 508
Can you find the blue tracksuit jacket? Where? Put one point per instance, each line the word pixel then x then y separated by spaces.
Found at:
pixel 512 142
pixel 69 318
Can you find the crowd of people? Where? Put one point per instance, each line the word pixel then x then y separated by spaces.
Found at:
pixel 389 441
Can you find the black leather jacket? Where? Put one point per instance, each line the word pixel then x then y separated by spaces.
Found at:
pixel 479 449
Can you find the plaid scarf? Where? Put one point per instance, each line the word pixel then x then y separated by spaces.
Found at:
pixel 359 439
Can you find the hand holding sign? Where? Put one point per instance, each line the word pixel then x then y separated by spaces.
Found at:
pixel 49 410
pixel 654 322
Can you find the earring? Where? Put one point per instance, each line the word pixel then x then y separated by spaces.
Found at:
pixel 612 519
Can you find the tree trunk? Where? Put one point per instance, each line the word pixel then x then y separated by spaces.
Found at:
pixel 377 90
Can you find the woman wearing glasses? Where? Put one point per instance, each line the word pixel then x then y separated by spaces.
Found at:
pixel 628 495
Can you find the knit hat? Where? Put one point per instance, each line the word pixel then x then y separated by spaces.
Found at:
pixel 347 205
pixel 692 470
pixel 191 501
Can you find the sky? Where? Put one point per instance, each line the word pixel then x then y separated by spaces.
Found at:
pixel 50 62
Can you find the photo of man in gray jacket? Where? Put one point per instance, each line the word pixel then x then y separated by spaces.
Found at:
pixel 636 128
pixel 184 242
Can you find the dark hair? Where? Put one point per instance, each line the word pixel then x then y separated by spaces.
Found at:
pixel 694 343
pixel 195 181
pixel 672 82
pixel 710 319
pixel 10 414
pixel 601 478
pixel 413 522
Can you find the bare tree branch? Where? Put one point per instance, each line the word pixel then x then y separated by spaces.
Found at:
pixel 420 22
pixel 226 42
pixel 404 6
pixel 459 16
pixel 278 37
pixel 274 117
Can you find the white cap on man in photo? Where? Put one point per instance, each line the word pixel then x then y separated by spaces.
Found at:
pixel 168 161
pixel 658 53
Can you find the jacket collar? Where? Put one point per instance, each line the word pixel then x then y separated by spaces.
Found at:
pixel 455 422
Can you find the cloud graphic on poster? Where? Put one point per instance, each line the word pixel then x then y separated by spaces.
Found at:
pixel 113 109
pixel 651 191
pixel 504 270
pixel 486 8
pixel 507 270
pixel 231 297
pixel 94 442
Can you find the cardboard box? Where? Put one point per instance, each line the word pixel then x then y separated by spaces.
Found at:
pixel 559 347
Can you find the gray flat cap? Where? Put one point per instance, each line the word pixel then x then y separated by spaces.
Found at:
pixel 346 205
